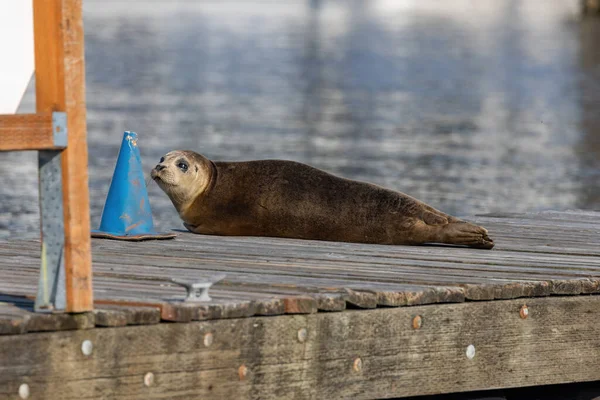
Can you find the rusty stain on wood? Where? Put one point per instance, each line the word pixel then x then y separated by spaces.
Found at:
pixel 242 372
pixel 300 305
pixel 524 311
pixel 417 322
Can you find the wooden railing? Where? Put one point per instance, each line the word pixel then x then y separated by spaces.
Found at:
pixel 28 132
pixel 58 132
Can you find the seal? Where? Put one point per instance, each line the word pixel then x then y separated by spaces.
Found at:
pixel 280 198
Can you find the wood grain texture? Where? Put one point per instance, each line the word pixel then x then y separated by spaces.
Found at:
pixel 16 319
pixel 60 86
pixel 26 132
pixel 108 317
pixel 358 354
pixel 134 315
pixel 273 276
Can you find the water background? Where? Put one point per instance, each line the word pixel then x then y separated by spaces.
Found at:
pixel 471 106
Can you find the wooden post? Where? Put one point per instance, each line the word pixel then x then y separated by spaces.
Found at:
pixel 60 86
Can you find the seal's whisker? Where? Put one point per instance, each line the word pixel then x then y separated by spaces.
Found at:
pixel 148 181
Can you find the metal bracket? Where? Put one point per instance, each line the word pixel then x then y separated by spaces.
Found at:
pixel 51 286
pixel 198 291
pixel 51 294
pixel 59 128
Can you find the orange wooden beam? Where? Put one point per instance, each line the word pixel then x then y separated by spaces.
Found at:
pixel 27 132
pixel 60 86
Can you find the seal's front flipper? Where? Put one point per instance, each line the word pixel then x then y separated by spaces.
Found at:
pixel 467 234
pixel 431 218
pixel 189 227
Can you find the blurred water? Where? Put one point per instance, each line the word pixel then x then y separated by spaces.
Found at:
pixel 470 106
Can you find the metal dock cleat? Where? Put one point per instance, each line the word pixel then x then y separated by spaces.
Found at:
pixel 198 291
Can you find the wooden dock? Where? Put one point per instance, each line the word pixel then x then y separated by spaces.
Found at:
pixel 306 319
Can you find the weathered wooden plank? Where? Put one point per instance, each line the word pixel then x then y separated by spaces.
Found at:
pixel 224 303
pixel 223 309
pixel 330 302
pixel 389 294
pixel 378 268
pixel 394 295
pixel 264 303
pixel 507 263
pixel 108 317
pixel 359 354
pixel 59 322
pixel 298 249
pixel 300 305
pixel 267 271
pixel 377 278
pixel 557 218
pixel 12 324
pixel 133 315
pixel 168 311
pixel 383 267
pixel 506 243
pixel 508 291
pixel 398 295
pixel 312 285
pixel 236 286
pixel 403 254
pixel 27 132
pixel 521 245
pixel 13 320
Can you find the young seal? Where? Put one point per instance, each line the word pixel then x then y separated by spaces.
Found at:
pixel 293 200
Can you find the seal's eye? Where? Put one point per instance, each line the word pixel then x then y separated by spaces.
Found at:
pixel 162 159
pixel 183 166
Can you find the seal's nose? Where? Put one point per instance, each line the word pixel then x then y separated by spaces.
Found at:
pixel 159 167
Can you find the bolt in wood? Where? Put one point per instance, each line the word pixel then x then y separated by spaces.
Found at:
pixel 302 335
pixel 357 366
pixel 149 379
pixel 470 351
pixel 524 311
pixel 208 339
pixel 24 391
pixel 87 347
pixel 242 372
pixel 417 322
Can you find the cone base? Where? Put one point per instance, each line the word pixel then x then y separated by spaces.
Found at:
pixel 133 238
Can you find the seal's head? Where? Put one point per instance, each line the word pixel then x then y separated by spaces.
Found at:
pixel 183 175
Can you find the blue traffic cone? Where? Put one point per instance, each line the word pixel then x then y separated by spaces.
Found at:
pixel 127 214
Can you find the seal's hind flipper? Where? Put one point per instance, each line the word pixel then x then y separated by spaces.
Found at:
pixel 467 234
